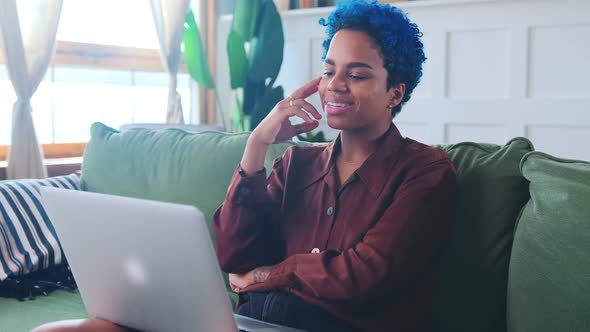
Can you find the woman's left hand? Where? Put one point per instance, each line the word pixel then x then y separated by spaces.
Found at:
pixel 240 281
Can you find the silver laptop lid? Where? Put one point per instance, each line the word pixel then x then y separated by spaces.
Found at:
pixel 143 264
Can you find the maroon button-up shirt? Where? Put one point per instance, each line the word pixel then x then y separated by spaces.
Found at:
pixel 364 251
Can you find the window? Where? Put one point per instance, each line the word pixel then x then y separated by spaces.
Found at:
pixel 107 68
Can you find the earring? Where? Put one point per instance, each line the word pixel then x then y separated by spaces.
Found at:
pixel 390 107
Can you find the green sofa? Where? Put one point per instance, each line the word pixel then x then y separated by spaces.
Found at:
pixel 518 258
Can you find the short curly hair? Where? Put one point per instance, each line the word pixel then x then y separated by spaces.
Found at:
pixel 396 35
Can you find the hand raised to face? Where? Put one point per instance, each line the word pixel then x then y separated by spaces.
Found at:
pixel 277 127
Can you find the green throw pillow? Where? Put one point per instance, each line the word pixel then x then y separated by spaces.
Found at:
pixel 471 284
pixel 170 165
pixel 549 279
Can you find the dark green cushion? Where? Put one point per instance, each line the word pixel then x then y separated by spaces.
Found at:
pixel 170 165
pixel 23 316
pixel 549 279
pixel 471 285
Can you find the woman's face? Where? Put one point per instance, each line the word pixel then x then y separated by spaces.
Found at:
pixel 353 88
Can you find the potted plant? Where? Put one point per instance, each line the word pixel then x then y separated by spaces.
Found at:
pixel 255 54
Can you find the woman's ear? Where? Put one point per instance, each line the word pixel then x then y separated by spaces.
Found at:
pixel 396 94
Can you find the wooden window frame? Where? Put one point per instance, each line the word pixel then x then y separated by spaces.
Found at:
pixel 53 151
pixel 104 57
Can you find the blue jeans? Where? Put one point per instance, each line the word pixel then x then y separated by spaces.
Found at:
pixel 288 310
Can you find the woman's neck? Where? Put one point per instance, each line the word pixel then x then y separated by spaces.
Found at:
pixel 356 146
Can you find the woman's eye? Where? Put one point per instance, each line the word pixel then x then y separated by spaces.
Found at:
pixel 356 77
pixel 352 76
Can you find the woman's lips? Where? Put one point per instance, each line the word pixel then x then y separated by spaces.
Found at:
pixel 337 108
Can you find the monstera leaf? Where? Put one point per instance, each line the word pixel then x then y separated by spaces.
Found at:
pixel 237 58
pixel 245 17
pixel 265 104
pixel 253 90
pixel 194 54
pixel 266 50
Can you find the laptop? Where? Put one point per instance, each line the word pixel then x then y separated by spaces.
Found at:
pixel 144 264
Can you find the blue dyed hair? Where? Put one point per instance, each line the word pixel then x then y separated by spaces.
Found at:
pixel 396 35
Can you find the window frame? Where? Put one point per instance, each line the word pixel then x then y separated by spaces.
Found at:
pixel 52 151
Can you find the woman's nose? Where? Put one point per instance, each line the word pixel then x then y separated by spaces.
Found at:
pixel 337 83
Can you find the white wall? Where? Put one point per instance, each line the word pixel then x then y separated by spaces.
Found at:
pixel 496 69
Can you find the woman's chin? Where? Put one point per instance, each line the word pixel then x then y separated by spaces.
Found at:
pixel 338 123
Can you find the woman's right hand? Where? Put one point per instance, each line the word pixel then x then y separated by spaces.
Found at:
pixel 277 127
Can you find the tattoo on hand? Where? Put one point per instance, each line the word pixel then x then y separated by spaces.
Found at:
pixel 261 273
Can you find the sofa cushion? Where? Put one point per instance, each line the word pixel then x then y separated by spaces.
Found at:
pixel 471 284
pixel 27 238
pixel 170 165
pixel 549 278
pixel 21 316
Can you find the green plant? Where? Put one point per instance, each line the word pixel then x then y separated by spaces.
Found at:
pixel 318 137
pixel 255 54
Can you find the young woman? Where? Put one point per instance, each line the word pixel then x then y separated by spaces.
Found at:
pixel 345 236
pixel 341 237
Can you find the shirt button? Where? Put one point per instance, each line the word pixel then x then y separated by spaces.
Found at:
pixel 315 251
pixel 330 211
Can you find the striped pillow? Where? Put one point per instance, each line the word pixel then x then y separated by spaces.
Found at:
pixel 28 241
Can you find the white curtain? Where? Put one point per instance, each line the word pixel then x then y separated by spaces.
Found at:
pixel 169 16
pixel 28 33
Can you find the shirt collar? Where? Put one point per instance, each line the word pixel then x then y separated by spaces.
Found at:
pixel 376 169
pixel 373 171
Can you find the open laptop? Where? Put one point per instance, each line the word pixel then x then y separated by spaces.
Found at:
pixel 144 264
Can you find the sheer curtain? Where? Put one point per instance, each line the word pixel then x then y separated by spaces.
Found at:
pixel 28 32
pixel 169 17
